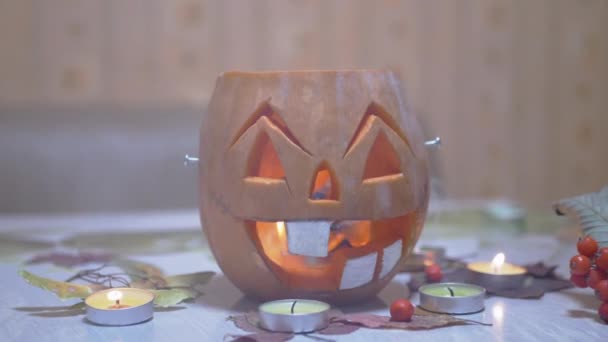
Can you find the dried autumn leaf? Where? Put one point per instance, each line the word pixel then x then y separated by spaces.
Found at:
pixel 70 259
pixel 420 321
pixel 336 328
pixel 265 336
pixel 63 290
pixel 135 243
pixel 591 210
pixel 189 280
pixel 15 244
pixel 250 322
pixel 363 319
pixel 137 269
pixel 143 275
pixel 169 297
pixel 540 270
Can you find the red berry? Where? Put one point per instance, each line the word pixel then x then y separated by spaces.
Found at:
pixel 603 311
pixel 578 281
pixel 402 310
pixel 601 290
pixel 580 265
pixel 587 246
pixel 595 276
pixel 602 259
pixel 433 273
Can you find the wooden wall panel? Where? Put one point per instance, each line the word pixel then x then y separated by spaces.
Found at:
pixel 517 89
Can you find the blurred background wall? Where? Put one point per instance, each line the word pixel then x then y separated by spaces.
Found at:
pixel 100 99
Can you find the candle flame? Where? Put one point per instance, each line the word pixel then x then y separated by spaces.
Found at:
pixel 497 262
pixel 114 295
pixel 281 230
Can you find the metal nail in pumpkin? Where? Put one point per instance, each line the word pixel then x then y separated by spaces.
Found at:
pixel 313 184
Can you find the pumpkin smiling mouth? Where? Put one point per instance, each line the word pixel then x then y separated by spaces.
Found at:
pixel 324 255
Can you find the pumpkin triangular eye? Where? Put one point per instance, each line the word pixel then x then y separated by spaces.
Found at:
pixel 264 160
pixel 324 186
pixel 382 159
pixel 266 110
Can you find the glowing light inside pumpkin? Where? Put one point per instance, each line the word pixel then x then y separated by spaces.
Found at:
pixel 335 239
pixel 281 230
pixel 348 240
pixel 324 185
pixel 356 233
pixel 498 262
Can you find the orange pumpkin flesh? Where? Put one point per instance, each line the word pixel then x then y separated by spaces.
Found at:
pixel 334 150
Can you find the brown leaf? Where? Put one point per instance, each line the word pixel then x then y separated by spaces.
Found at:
pixel 363 319
pixel 248 322
pixel 540 270
pixel 536 289
pixel 69 259
pixel 421 320
pixel 266 336
pixel 337 328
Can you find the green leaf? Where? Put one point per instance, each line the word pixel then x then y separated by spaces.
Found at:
pixel 134 243
pixel 63 290
pixel 189 280
pixel 174 296
pixel 138 270
pixel 591 210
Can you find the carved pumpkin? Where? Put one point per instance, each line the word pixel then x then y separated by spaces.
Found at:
pixel 313 184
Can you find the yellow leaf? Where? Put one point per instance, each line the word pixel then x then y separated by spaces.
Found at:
pixel 62 289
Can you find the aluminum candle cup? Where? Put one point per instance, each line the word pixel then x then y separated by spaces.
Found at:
pixel 120 306
pixel 507 276
pixel 452 298
pixel 294 315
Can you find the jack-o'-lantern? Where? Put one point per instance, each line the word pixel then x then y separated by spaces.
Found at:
pixel 313 184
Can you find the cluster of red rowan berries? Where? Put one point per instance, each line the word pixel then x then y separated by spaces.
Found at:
pixel 589 269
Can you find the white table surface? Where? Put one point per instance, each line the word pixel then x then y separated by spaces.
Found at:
pixel 569 315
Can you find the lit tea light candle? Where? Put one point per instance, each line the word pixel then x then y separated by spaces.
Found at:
pixel 294 315
pixel 497 274
pixel 120 306
pixel 452 298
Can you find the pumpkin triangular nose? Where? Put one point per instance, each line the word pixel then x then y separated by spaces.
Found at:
pixel 324 184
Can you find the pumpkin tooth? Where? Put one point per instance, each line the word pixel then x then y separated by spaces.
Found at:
pixel 390 257
pixel 358 271
pixel 308 238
